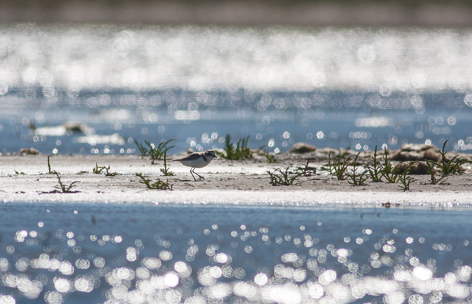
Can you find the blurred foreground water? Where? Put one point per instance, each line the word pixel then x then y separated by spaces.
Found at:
pixel 58 253
pixel 332 87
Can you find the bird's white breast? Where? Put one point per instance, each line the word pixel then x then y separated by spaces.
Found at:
pixel 197 163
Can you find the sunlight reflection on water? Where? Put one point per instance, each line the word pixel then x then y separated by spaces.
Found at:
pixel 284 255
pixel 203 58
pixel 388 86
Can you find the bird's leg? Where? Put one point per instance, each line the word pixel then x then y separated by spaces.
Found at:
pixel 201 177
pixel 192 174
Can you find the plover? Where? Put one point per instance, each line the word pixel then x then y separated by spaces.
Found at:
pixel 197 160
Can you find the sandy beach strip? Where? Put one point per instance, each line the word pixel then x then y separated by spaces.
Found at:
pixel 26 179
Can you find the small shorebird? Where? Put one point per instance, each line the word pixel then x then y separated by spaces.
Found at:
pixel 197 160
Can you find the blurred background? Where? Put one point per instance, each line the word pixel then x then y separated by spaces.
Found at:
pixel 245 12
pixel 93 77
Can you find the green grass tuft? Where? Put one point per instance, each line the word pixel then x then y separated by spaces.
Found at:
pixel 241 151
pixel 63 187
pixel 375 171
pixel 283 178
pixel 98 170
pixel 158 185
pixel 389 171
pixel 357 179
pixel 166 170
pixel 306 170
pixel 406 180
pixel 270 158
pixel 156 153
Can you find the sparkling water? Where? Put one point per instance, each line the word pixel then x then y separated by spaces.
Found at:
pixel 153 254
pixel 332 87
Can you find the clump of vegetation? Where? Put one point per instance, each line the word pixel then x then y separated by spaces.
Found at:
pixel 241 151
pixel 156 153
pixel 20 172
pixel 405 180
pixel 166 170
pixel 444 166
pixel 158 185
pixel 339 165
pixel 284 178
pixel 449 167
pixel 270 158
pixel 432 173
pixel 379 168
pixel 329 165
pixel 306 170
pixel 98 170
pixel 142 149
pixel 63 187
pixel 357 179
pixel 389 171
pixel 375 171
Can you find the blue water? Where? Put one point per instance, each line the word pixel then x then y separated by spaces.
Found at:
pixel 336 122
pixel 280 85
pixel 89 253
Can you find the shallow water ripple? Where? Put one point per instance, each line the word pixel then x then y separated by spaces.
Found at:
pixel 118 254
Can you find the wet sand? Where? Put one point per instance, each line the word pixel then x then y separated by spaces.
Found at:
pixel 26 179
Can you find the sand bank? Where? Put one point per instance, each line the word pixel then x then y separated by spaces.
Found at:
pixel 26 179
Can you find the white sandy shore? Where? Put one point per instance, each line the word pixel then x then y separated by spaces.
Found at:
pixel 26 179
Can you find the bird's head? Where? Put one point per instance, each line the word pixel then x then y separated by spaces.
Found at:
pixel 210 154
